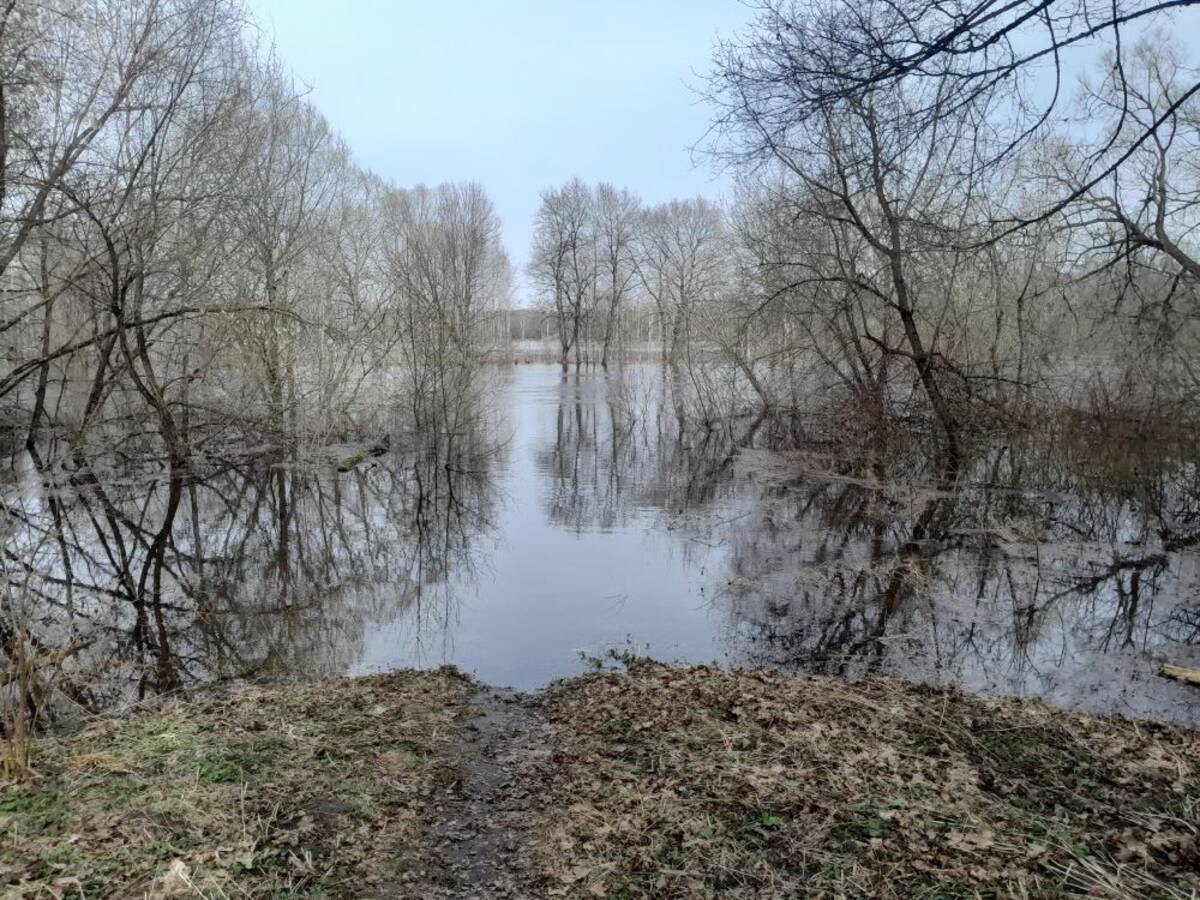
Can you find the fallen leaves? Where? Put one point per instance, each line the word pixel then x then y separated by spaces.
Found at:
pixel 666 782
pixel 699 782
pixel 982 839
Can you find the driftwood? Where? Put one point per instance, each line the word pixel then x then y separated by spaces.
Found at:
pixel 1185 674
pixel 377 449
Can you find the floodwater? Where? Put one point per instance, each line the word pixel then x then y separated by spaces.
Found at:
pixel 579 522
pixel 583 554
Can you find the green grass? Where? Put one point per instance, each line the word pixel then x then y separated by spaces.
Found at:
pixel 305 790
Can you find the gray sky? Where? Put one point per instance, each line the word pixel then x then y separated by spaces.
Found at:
pixel 516 94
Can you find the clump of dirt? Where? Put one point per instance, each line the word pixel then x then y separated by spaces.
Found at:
pixel 698 782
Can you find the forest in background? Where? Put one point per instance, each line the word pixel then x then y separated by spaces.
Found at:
pixel 945 229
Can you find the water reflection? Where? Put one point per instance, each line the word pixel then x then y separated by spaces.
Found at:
pixel 584 513
pixel 1031 577
pixel 272 563
pixel 618 451
pixel 582 558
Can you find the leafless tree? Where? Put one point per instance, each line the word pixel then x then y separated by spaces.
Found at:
pixel 979 61
pixel 616 212
pixel 563 264
pixel 448 274
pixel 681 263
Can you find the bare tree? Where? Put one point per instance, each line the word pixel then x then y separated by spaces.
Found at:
pixel 616 213
pixel 564 261
pixel 681 264
pixel 975 61
pixel 191 262
pixel 449 274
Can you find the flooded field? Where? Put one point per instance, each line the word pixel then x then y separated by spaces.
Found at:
pixel 578 522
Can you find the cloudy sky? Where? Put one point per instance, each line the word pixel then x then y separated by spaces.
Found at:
pixel 516 94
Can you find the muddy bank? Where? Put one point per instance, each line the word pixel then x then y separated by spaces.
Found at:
pixel 660 782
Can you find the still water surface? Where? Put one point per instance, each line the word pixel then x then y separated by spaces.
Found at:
pixel 610 534
pixel 579 517
pixel 581 556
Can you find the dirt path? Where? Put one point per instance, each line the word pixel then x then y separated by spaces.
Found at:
pixel 480 819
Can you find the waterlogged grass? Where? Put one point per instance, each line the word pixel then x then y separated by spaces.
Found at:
pixel 309 790
pixel 693 782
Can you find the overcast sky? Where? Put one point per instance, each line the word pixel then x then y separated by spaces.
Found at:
pixel 516 94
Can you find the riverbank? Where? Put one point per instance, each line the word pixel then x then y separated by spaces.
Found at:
pixel 663 782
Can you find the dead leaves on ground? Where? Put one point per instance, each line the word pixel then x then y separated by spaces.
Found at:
pixel 696 782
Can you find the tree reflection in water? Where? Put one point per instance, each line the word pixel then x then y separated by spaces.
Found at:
pixel 584 510
pixel 1035 572
pixel 274 563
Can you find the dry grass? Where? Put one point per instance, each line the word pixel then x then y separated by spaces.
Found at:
pixel 29 679
pixel 289 791
pixel 694 782
pixel 665 782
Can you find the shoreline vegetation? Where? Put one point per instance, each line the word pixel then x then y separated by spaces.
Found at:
pixel 660 781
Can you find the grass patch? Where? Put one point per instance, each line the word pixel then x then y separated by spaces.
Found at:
pixel 303 790
pixel 696 782
pixel 663 782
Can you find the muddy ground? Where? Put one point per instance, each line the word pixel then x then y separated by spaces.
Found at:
pixel 658 782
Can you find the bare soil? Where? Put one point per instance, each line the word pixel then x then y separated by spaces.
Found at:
pixel 482 817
